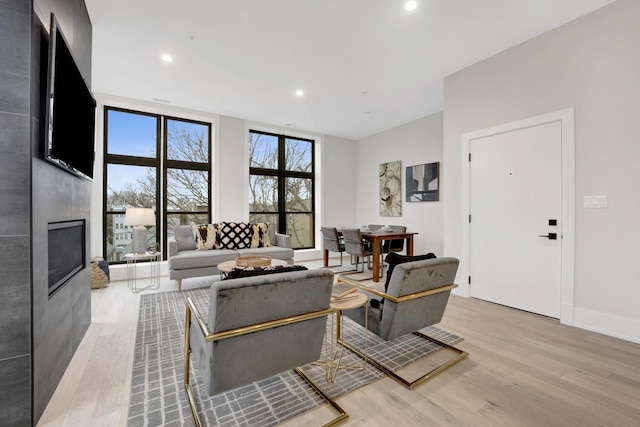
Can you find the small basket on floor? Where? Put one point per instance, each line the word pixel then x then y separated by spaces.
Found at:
pixel 99 273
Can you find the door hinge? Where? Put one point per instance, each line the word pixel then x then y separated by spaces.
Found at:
pixel 469 218
pixel 469 279
pixel 469 156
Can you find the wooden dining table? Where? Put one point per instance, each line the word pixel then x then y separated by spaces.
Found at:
pixel 376 238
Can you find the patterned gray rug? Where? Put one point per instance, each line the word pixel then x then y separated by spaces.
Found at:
pixel 157 393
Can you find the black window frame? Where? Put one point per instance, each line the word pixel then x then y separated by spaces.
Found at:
pixel 161 165
pixel 282 174
pixel 182 164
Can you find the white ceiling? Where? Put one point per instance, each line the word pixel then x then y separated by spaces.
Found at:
pixel 364 65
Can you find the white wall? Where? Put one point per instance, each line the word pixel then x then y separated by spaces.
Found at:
pixel 591 64
pixel 335 174
pixel 414 143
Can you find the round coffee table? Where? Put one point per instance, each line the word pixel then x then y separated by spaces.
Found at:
pixel 227 266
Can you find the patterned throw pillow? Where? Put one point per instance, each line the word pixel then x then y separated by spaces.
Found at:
pixel 260 235
pixel 235 235
pixel 207 236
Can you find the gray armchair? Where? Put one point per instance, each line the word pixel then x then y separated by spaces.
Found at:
pixel 257 327
pixel 417 296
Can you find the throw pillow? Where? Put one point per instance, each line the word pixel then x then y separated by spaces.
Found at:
pixel 235 235
pixel 207 236
pixel 260 235
pixel 237 273
pixel 394 259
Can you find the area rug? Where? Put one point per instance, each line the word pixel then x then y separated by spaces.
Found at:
pixel 158 398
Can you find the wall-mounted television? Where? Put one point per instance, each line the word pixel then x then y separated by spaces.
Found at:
pixel 70 110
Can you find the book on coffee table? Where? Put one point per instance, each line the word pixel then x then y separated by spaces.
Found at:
pixel 342 290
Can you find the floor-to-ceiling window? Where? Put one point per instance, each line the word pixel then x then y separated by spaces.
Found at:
pixel 281 185
pixel 157 162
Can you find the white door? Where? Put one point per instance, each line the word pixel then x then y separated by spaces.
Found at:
pixel 515 197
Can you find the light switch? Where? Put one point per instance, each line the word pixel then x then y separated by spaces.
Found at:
pixel 594 202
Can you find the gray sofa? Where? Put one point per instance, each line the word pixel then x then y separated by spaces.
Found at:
pixel 185 261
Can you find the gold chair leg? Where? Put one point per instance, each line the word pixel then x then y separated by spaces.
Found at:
pixel 342 415
pixel 411 384
pixel 187 358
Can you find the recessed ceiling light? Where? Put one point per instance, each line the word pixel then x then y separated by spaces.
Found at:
pixel 299 92
pixel 410 5
pixel 167 58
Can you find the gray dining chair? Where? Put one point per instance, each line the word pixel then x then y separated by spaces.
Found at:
pixel 356 246
pixel 396 245
pixel 331 241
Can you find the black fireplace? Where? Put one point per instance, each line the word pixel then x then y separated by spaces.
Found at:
pixel 66 244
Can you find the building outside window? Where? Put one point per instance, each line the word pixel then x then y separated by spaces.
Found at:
pixel 281 185
pixel 158 162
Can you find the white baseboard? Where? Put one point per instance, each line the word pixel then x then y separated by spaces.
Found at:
pixel 462 290
pixel 607 324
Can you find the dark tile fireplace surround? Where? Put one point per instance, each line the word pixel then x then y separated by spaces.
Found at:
pixel 39 331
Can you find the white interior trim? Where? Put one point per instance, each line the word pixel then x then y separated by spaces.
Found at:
pixel 566 119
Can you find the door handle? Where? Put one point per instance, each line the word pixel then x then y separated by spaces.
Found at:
pixel 550 236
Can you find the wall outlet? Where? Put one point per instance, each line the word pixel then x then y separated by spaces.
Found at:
pixel 594 202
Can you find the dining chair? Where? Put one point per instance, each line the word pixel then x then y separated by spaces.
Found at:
pixel 396 245
pixel 356 246
pixel 331 241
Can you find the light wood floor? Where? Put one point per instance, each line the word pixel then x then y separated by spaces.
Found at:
pixel 523 370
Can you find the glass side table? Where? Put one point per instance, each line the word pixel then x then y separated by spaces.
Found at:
pixel 152 260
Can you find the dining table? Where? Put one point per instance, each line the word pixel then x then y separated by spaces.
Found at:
pixel 376 237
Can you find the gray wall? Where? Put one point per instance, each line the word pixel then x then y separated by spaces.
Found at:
pixel 593 65
pixel 38 335
pixel 15 257
pixel 413 143
pixel 59 323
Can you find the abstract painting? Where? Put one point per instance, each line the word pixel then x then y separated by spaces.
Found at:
pixel 391 189
pixel 422 183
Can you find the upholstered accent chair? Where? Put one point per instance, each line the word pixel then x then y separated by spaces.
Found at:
pixel 257 327
pixel 331 241
pixel 356 246
pixel 417 296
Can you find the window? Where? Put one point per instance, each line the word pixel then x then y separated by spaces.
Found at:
pixel 187 191
pixel 281 185
pixel 157 162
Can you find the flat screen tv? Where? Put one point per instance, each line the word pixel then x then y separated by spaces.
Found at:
pixel 70 110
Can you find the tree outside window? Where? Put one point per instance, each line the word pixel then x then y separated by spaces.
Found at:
pixel 134 167
pixel 281 181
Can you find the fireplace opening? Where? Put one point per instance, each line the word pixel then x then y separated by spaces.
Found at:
pixel 66 244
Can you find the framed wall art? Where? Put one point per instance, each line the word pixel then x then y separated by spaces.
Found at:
pixel 423 183
pixel 391 189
